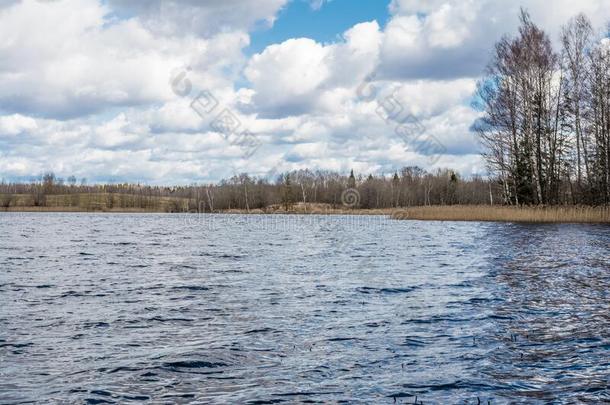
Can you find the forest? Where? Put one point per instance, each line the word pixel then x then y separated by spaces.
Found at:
pixel 411 186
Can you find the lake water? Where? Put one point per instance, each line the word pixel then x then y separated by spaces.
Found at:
pixel 98 308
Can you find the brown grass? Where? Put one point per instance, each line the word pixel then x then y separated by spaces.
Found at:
pixel 99 202
pixel 96 202
pixel 129 203
pixel 563 214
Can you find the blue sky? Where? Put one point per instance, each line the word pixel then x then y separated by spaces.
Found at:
pixel 88 87
pixel 324 24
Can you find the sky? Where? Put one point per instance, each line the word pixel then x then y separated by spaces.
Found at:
pixel 183 92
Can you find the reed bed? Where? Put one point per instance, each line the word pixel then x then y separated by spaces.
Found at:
pixel 560 214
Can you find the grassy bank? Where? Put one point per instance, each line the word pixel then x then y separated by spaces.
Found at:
pixel 105 202
pixel 563 214
pixel 96 202
pixel 182 206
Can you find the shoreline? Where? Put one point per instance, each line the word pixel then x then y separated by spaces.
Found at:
pixel 454 213
pixel 77 210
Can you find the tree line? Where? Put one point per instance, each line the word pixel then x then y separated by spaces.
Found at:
pixel 410 186
pixel 546 124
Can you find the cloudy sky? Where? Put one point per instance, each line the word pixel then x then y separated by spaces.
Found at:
pixel 178 92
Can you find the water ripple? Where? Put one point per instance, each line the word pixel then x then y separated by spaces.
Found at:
pixel 142 308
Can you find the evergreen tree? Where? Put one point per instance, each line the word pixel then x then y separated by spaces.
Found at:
pixel 351 182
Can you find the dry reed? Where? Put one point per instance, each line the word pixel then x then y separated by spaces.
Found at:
pixel 560 214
